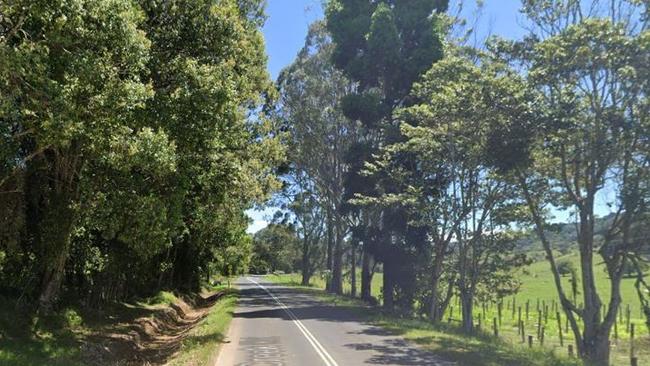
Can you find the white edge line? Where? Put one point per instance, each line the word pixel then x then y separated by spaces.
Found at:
pixel 324 355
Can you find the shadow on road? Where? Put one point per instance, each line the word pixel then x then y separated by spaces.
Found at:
pixel 382 346
pixel 398 352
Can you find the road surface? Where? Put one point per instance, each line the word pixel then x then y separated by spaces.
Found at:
pixel 275 325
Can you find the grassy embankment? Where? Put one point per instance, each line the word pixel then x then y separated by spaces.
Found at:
pixel 77 336
pixel 537 285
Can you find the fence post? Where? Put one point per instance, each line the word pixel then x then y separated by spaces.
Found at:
pixel 499 309
pixel 559 328
pixel 545 314
pixel 566 325
pixel 527 307
pixel 570 350
pixel 627 317
pixel 632 340
pixel 530 341
pixel 496 329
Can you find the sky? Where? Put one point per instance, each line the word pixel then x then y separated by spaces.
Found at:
pixel 288 20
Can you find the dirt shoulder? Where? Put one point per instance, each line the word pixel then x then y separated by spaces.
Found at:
pixel 146 335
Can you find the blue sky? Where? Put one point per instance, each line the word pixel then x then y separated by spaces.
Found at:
pixel 288 20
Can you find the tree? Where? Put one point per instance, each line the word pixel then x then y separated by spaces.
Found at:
pixel 132 136
pixel 590 72
pixel 455 193
pixel 276 248
pixel 383 46
pixel 319 137
pixel 306 212
pixel 208 72
pixel 66 98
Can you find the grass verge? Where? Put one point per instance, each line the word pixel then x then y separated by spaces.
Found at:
pixel 26 339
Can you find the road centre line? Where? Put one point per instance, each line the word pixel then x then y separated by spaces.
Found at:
pixel 324 355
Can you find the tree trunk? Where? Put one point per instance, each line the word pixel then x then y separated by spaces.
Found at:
pixel 434 313
pixel 337 262
pixel 306 273
pixel 353 270
pixel 387 290
pixel 366 275
pixel 330 248
pixel 593 341
pixel 594 349
pixel 467 307
pixel 55 232
pixel 306 277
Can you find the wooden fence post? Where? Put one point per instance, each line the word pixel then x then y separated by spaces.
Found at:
pixel 632 340
pixel 499 309
pixel 527 307
pixel 566 325
pixel 627 317
pixel 545 314
pixel 559 328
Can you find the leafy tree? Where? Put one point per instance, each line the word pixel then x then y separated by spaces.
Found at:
pixel 276 248
pixel 566 267
pixel 456 194
pixel 592 75
pixel 305 212
pixel 319 137
pixel 384 47
pixel 131 138
pixel 71 82
pixel 207 67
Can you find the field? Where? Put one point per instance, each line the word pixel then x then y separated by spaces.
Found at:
pixel 538 287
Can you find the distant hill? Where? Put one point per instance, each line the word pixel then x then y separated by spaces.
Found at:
pixel 563 237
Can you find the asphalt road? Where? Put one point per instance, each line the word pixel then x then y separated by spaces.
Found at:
pixel 280 326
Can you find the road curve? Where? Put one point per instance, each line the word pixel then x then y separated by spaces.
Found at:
pixel 275 325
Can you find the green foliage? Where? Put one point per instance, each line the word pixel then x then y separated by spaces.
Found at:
pixel 275 248
pixel 384 47
pixel 566 267
pixel 590 75
pixel 318 136
pixel 133 144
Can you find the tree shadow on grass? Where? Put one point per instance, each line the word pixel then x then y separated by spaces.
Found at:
pixel 399 352
pixel 472 351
